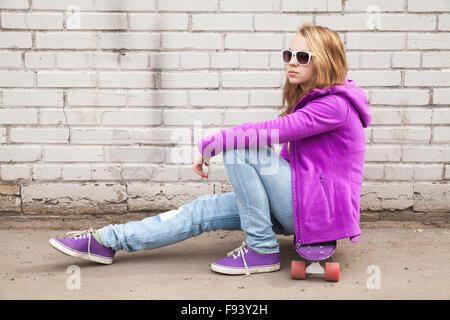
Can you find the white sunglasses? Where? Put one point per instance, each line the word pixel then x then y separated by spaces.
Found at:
pixel 303 57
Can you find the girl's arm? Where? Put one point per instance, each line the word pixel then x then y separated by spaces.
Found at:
pixel 318 116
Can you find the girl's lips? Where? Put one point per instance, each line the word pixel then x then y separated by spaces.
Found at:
pixel 292 72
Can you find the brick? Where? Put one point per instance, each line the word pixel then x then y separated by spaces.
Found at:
pixel 106 172
pixel 103 61
pixel 166 173
pixel 427 78
pixel 185 40
pixel 15 172
pixel 366 5
pixel 10 59
pixel 375 60
pixel 441 135
pixel 255 41
pixel 181 155
pixel 441 116
pixel 40 60
pixel 72 60
pixel 444 22
pixel 129 5
pixel 375 77
pixel 19 153
pixel 441 96
pixel 375 41
pixel 400 135
pixel 189 80
pixel 67 79
pixel 73 198
pixel 131 117
pixel 344 22
pixel 219 98
pixel 388 196
pixel 46 172
pixel 431 197
pixel 96 98
pixel 101 136
pixel 32 97
pixel 16 79
pixel 219 22
pixel 399 172
pixel 137 172
pixel 162 136
pixel 73 154
pixel 15 39
pixel 423 41
pixel 280 22
pixel 66 40
pixel 76 172
pixel 135 79
pixel 135 154
pixel 311 5
pixel 14 4
pixel 224 60
pixel 436 59
pixel 407 22
pixel 167 196
pixel 239 117
pixel 187 117
pixel 165 60
pixel 159 22
pixel 428 172
pixel 426 154
pixel 399 97
pixel 254 60
pixel 187 5
pixel 406 59
pixel 158 98
pixel 31 20
pixel 416 116
pixel 134 61
pixel 383 153
pixel 431 5
pixel 41 136
pixel 251 79
pixel 74 117
pixel 129 40
pixel 18 116
pixel 102 21
pixel 2 135
pixel 194 60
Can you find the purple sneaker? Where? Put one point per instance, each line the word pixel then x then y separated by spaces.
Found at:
pixel 82 244
pixel 244 260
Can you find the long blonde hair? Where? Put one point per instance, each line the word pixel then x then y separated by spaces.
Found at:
pixel 330 64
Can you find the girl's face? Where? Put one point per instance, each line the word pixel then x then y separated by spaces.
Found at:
pixel 304 73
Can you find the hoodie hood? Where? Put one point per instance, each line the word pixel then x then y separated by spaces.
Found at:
pixel 355 95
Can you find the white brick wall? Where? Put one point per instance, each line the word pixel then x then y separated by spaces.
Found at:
pixel 110 91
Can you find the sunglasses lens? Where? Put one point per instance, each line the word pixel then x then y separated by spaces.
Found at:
pixel 302 57
pixel 287 55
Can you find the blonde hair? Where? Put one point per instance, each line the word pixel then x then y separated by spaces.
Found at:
pixel 330 64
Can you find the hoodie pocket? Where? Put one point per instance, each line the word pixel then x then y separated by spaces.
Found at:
pixel 325 189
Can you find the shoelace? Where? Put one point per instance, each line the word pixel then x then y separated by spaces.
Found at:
pixel 240 253
pixel 82 235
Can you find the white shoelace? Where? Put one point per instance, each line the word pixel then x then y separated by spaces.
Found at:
pixel 240 253
pixel 82 234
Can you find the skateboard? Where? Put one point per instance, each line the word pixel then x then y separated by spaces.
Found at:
pixel 314 254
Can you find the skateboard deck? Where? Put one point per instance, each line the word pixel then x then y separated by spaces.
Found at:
pixel 314 254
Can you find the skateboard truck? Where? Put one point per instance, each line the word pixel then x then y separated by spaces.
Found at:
pixel 314 254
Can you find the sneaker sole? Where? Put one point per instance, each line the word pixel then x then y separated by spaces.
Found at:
pixel 239 271
pixel 78 254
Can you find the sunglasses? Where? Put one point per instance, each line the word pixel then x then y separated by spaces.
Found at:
pixel 302 57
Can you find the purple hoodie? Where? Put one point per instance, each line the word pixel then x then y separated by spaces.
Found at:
pixel 327 148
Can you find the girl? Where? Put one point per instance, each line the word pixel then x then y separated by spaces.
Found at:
pixel 313 194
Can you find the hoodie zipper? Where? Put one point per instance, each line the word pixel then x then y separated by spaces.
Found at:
pixel 322 180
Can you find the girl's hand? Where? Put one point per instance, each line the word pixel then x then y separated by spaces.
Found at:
pixel 198 166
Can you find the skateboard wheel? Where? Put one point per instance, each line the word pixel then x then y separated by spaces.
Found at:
pixel 332 271
pixel 298 269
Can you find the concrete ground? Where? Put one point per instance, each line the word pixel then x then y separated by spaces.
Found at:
pixel 392 260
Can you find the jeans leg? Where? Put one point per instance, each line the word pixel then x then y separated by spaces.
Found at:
pixel 261 181
pixel 206 213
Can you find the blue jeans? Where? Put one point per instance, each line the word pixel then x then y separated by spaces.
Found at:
pixel 260 205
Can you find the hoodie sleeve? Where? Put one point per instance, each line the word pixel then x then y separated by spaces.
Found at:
pixel 318 116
